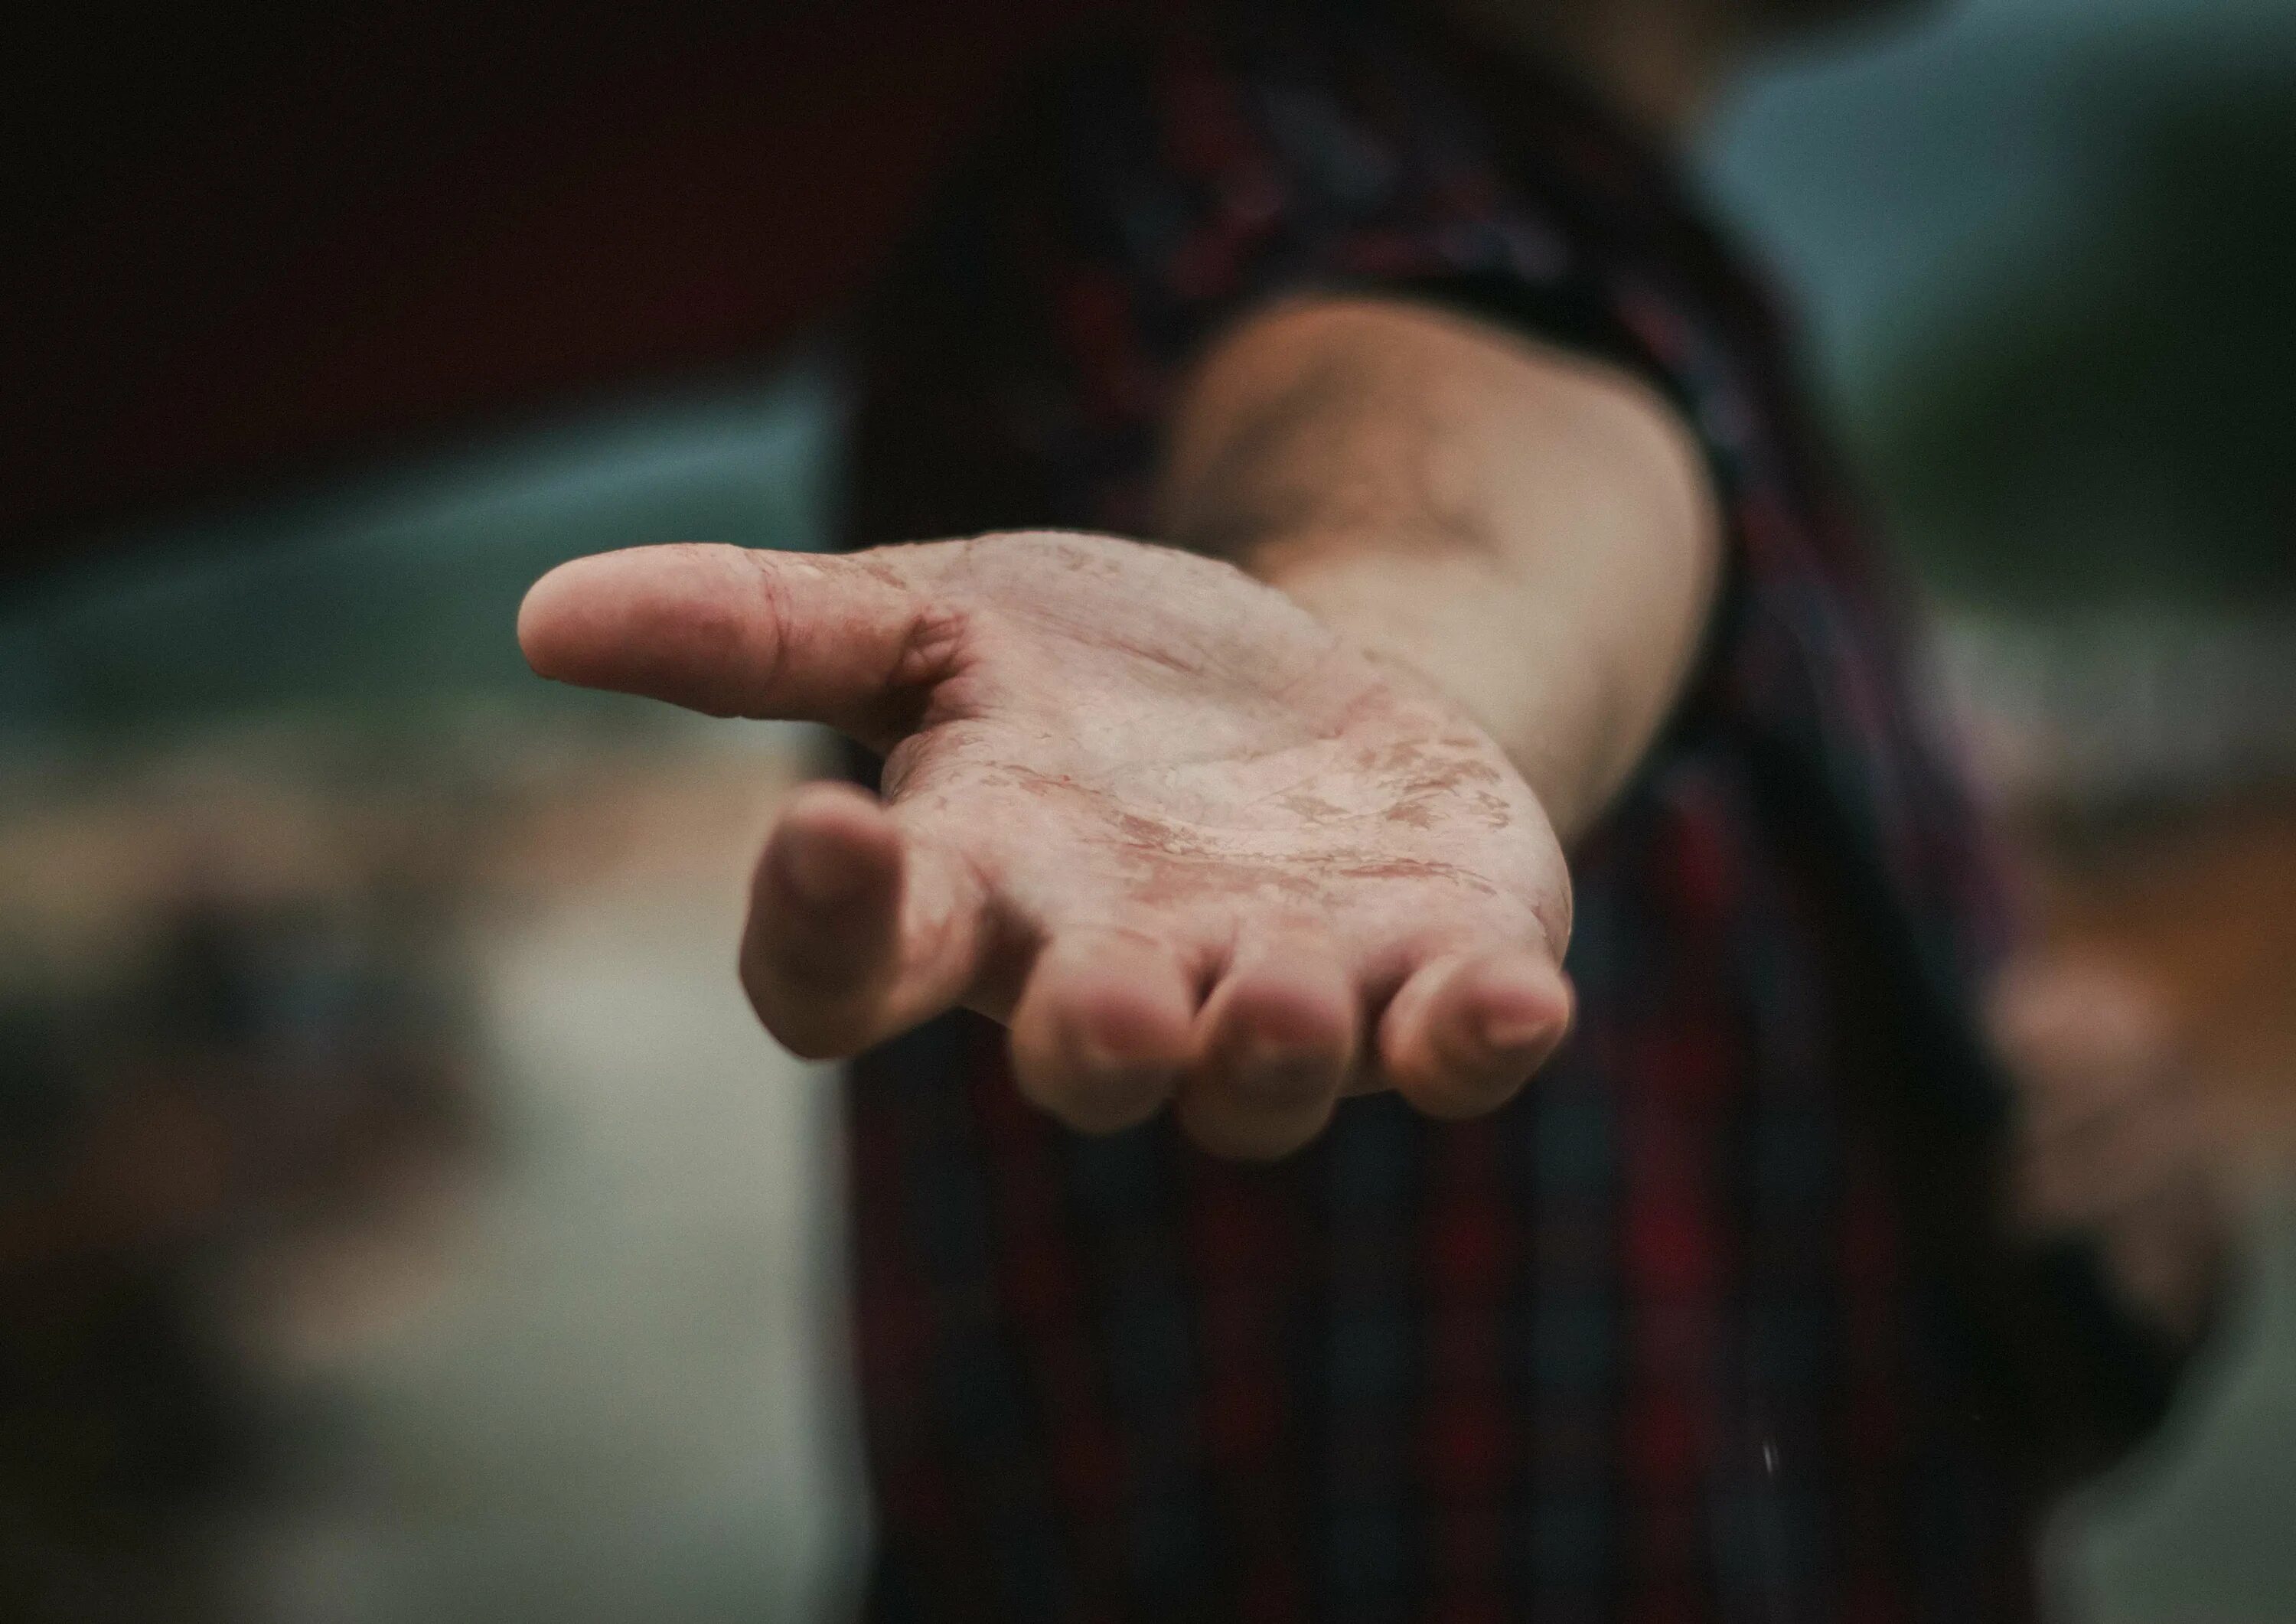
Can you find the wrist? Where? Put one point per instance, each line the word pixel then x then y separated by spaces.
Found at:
pixel 1452 620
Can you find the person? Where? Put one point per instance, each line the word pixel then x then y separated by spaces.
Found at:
pixel 1373 621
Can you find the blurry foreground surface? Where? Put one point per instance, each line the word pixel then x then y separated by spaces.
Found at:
pixel 507 1303
pixel 403 1216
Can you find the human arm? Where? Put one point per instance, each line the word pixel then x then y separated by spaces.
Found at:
pixel 1532 531
pixel 1190 840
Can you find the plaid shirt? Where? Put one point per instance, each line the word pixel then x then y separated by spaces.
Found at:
pixel 1663 1339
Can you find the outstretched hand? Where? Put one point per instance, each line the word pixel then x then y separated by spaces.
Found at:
pixel 1184 839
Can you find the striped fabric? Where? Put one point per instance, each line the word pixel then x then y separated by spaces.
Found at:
pixel 1655 1341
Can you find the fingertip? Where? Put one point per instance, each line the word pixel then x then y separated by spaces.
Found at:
pixel 834 846
pixel 1463 1035
pixel 1279 1040
pixel 823 947
pixel 654 620
pixel 1514 1007
pixel 1131 1024
pixel 1303 1008
pixel 1101 1033
pixel 1240 1133
pixel 547 617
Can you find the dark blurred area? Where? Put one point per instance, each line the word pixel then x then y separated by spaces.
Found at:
pixel 254 1079
pixel 252 242
pixel 401 1217
pixel 2134 388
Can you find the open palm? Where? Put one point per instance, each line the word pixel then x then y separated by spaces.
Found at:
pixel 1183 839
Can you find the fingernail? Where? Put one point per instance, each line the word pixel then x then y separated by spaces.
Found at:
pixel 1524 1017
pixel 1506 1031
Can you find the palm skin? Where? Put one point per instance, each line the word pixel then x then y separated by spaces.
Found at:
pixel 1188 842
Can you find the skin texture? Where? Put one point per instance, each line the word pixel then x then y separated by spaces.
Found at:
pixel 2110 1144
pixel 1194 844
pixel 1182 838
pixel 1533 532
pixel 1199 840
pixel 1204 843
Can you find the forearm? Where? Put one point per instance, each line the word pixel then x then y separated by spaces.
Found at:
pixel 1532 534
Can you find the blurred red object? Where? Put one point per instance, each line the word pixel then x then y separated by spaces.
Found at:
pixel 248 245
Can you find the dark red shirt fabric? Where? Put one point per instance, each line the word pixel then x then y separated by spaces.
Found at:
pixel 1665 1338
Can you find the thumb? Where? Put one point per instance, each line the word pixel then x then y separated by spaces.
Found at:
pixel 731 631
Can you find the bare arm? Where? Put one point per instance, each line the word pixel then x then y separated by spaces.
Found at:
pixel 1533 533
pixel 1194 844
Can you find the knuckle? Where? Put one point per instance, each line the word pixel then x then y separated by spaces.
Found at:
pixel 932 647
pixel 769 614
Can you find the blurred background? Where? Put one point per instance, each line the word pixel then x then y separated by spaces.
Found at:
pixel 401 1217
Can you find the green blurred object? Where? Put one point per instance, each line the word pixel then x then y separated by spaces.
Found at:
pixel 369 602
pixel 2116 424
